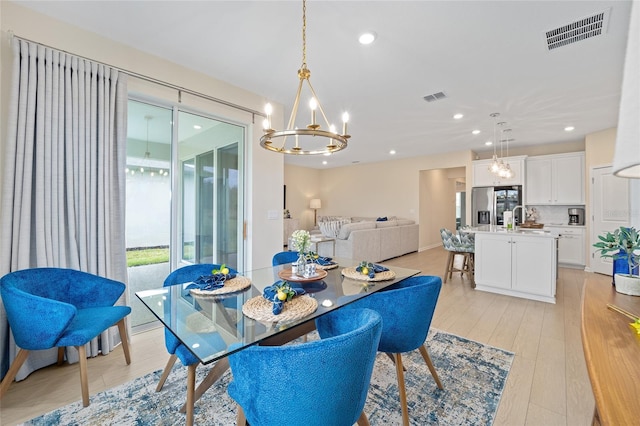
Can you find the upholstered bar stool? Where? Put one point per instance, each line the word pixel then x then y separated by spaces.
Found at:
pixel 456 247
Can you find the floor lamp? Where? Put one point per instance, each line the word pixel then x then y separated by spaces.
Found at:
pixel 315 204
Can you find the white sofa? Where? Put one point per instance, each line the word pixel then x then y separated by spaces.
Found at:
pixel 371 240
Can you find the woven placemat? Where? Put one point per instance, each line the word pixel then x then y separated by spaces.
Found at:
pixel 233 285
pixel 380 276
pixel 327 267
pixel 260 309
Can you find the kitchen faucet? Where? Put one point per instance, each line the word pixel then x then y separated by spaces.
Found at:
pixel 524 213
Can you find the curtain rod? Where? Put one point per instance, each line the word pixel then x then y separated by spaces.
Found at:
pixel 180 89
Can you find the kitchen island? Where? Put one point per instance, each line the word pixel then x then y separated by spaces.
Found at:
pixel 520 263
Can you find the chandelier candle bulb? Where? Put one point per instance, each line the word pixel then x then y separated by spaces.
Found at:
pixel 345 120
pixel 313 104
pixel 268 109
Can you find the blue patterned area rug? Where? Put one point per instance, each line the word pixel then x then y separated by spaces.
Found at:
pixel 473 376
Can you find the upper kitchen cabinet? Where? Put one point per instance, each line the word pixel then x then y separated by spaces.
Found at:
pixel 483 177
pixel 555 179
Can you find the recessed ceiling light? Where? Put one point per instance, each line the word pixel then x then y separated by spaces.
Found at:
pixel 475 132
pixel 392 152
pixel 367 38
pixel 488 143
pixel 569 128
pixel 458 116
pixel 324 162
pixel 197 126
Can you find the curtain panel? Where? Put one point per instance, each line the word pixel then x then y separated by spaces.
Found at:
pixel 63 184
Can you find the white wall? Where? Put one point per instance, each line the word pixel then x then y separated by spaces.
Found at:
pixel 264 169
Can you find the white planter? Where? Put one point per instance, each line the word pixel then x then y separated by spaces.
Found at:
pixel 626 284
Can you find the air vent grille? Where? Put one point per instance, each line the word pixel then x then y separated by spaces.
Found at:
pixel 435 97
pixel 579 30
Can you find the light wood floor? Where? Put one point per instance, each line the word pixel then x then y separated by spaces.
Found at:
pixel 547 385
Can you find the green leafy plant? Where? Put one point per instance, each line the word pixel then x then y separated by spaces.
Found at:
pixel 619 243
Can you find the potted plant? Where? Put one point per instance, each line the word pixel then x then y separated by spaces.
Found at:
pixel 623 243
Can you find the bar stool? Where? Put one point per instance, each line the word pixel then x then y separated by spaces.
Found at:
pixel 464 247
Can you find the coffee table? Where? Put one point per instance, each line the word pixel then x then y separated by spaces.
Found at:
pixel 319 240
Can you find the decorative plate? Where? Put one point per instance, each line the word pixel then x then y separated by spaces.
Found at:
pixel 261 309
pixel 231 286
pixel 380 276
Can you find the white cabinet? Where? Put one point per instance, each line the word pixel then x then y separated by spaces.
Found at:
pixel 516 265
pixel 571 244
pixel 483 177
pixel 555 179
pixel 290 225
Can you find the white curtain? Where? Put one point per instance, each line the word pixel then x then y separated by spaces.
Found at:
pixel 63 183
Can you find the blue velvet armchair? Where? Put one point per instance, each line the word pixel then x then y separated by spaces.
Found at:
pixel 323 382
pixel 284 257
pixel 177 350
pixel 55 307
pixel 407 309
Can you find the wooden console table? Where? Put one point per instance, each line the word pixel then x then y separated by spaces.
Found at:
pixel 612 353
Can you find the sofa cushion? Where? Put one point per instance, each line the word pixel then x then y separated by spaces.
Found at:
pixel 346 229
pixel 386 224
pixel 402 222
pixel 331 228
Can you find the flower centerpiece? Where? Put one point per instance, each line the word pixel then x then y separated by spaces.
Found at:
pixel 623 243
pixel 301 242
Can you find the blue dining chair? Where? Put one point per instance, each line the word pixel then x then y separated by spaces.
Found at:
pixel 406 309
pixel 284 257
pixel 177 350
pixel 323 382
pixel 56 307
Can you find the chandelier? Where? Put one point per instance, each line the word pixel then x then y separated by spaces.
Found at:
pixel 309 139
pixel 498 166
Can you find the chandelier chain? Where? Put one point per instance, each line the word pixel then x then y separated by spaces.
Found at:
pixel 304 34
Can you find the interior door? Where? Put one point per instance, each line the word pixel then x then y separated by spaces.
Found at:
pixel 610 210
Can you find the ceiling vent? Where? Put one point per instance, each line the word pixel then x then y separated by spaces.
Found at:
pixel 435 97
pixel 579 30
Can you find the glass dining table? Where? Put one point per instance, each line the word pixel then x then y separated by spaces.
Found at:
pixel 213 327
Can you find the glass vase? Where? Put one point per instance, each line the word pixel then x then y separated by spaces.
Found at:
pixel 302 263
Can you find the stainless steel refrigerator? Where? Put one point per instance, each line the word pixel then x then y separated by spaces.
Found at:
pixel 488 204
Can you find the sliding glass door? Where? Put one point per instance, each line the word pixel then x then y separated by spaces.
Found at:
pixel 211 208
pixel 184 195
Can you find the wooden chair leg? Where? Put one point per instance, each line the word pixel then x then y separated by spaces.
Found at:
pixel 191 386
pixel 167 370
pixel 472 267
pixel 241 420
pixel 447 271
pixel 60 355
pixel 214 374
pixel 402 389
pixel 21 357
pixel 432 369
pixel 84 379
pixel 122 329
pixel 393 360
pixel 363 420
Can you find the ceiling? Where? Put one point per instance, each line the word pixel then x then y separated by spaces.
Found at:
pixel 485 56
